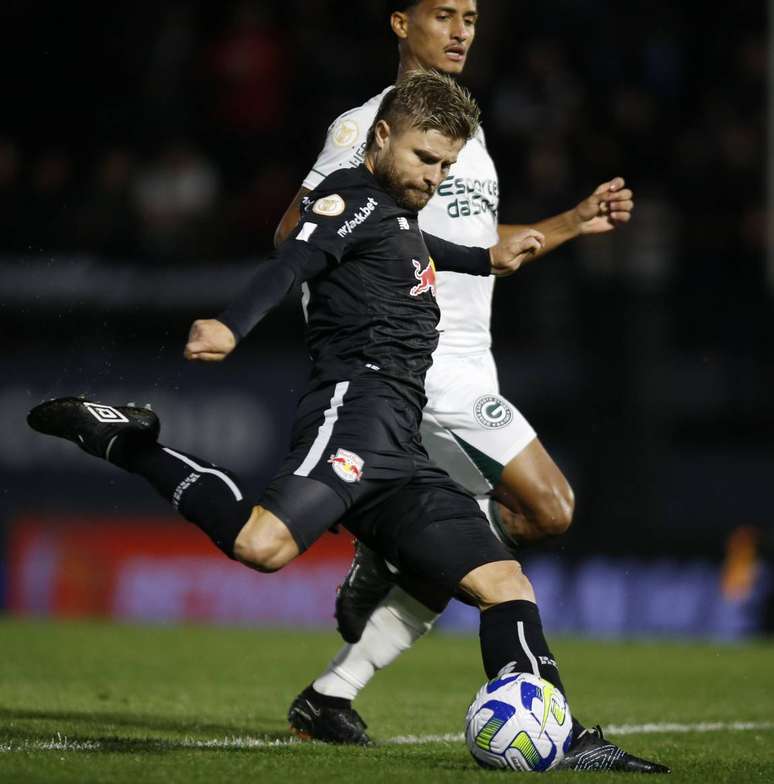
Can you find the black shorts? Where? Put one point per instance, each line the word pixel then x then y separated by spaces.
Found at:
pixel 357 459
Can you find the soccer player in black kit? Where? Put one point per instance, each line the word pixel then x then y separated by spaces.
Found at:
pixel 367 275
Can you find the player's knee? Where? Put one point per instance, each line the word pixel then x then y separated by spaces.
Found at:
pixel 554 510
pixel 266 548
pixel 498 582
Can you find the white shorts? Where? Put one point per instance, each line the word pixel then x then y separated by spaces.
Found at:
pixel 467 427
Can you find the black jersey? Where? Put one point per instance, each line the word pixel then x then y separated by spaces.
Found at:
pixel 368 284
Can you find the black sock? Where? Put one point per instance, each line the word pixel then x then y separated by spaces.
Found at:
pixel 513 632
pixel 210 497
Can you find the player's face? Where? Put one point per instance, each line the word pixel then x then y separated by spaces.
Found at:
pixel 412 164
pixel 439 33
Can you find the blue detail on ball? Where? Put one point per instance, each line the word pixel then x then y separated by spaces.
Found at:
pixel 530 692
pixel 500 710
pixel 498 682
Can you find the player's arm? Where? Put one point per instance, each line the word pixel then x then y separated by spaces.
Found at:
pixel 609 206
pixel 289 220
pixel 212 340
pixel 450 257
pixel 501 259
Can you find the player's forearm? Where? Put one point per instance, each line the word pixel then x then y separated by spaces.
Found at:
pixel 557 230
pixel 275 277
pixel 450 257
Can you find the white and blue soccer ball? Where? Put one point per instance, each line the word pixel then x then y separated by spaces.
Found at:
pixel 519 722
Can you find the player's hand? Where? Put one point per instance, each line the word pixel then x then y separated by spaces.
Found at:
pixel 509 254
pixel 610 205
pixel 209 340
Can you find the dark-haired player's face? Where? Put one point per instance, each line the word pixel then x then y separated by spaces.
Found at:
pixel 411 165
pixel 440 33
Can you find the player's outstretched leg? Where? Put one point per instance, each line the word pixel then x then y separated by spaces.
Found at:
pixel 209 496
pixel 379 620
pixel 93 426
pixel 511 634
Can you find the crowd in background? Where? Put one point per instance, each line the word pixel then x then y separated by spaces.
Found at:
pixel 162 136
pixel 179 132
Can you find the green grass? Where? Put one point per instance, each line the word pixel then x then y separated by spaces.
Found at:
pixel 142 694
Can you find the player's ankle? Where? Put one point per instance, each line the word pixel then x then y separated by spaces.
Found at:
pixel 331 684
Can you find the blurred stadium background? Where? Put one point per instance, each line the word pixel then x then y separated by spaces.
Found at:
pixel 147 152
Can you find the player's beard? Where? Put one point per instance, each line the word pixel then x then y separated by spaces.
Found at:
pixel 413 199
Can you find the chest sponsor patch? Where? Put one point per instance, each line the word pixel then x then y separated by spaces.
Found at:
pixel 425 276
pixel 492 411
pixel 359 217
pixel 329 206
pixel 347 465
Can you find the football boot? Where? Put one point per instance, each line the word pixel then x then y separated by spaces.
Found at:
pixel 367 582
pixel 93 426
pixel 592 751
pixel 313 716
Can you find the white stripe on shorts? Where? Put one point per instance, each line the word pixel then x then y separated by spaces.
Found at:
pixel 525 648
pixel 201 469
pixel 324 433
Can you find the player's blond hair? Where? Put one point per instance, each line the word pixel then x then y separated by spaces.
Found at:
pixel 429 101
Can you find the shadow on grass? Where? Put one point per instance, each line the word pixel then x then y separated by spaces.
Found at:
pixel 83 727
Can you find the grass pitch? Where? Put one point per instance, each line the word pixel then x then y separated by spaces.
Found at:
pixel 88 702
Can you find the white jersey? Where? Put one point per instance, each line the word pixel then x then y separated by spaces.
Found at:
pixel 463 210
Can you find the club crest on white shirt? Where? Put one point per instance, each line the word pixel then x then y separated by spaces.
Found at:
pixel 329 206
pixel 492 411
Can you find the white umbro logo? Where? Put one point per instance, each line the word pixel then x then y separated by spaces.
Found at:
pixel 105 414
pixel 403 224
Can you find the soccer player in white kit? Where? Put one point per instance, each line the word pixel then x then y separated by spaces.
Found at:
pixel 468 428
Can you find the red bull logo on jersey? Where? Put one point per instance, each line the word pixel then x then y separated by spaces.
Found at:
pixel 347 465
pixel 426 278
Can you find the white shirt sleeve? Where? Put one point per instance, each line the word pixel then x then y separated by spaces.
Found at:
pixel 345 142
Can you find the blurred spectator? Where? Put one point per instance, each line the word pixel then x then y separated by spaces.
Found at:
pixel 253 85
pixel 249 67
pixel 254 215
pixel 106 221
pixel 174 196
pixel 168 88
pixel 46 223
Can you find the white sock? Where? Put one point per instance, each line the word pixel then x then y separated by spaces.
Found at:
pixel 394 626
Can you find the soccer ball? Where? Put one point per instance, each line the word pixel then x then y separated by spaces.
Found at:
pixel 518 721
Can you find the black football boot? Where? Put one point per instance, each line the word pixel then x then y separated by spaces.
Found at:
pixel 591 751
pixel 367 582
pixel 314 716
pixel 93 426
